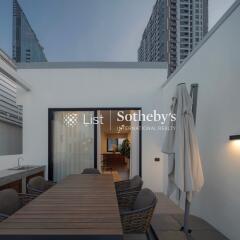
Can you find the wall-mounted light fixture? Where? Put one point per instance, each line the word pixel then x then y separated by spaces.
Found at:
pixel 234 137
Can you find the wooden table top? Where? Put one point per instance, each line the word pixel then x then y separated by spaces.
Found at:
pixel 79 207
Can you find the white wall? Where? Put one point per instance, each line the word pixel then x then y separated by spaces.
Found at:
pixel 10 139
pixel 215 67
pixel 9 161
pixel 79 87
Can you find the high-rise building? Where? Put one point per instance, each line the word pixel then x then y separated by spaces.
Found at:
pixel 153 46
pixel 25 45
pixel 185 24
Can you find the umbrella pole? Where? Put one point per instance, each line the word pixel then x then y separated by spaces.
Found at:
pixel 186 218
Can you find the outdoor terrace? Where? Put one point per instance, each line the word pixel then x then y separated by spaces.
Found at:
pixel 214 66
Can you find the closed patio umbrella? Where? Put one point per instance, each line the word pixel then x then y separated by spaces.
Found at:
pixel 180 143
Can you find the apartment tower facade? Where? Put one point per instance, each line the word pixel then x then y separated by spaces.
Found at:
pixel 153 46
pixel 184 26
pixel 25 45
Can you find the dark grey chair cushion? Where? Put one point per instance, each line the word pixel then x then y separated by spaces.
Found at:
pixel 136 181
pixel 144 199
pixel 9 201
pixel 90 171
pixel 39 183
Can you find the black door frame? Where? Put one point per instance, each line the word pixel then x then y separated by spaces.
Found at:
pixel 50 133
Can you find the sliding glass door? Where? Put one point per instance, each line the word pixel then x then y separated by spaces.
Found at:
pixel 75 140
pixel 73 146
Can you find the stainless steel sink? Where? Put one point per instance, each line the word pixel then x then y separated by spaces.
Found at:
pixel 21 168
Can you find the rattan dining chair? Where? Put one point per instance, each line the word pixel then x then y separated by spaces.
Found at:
pixel 136 214
pixel 131 185
pixel 38 185
pixel 11 201
pixel 90 171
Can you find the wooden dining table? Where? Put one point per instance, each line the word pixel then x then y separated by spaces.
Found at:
pixel 79 207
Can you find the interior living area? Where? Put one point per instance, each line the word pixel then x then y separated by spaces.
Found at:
pixel 73 171
pixel 115 144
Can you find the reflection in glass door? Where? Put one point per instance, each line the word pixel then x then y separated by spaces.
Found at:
pixel 72 143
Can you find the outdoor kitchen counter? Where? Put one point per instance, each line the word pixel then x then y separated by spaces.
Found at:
pixel 9 176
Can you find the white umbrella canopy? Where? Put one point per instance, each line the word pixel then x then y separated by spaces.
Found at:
pixel 181 145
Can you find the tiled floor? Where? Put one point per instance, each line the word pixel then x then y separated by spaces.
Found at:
pixel 168 219
pixel 120 169
pixel 165 206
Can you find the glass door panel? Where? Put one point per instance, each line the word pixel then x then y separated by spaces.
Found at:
pixel 72 143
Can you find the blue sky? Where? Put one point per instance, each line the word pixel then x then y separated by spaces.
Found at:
pixel 88 30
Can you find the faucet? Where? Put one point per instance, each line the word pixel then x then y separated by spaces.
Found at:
pixel 19 159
